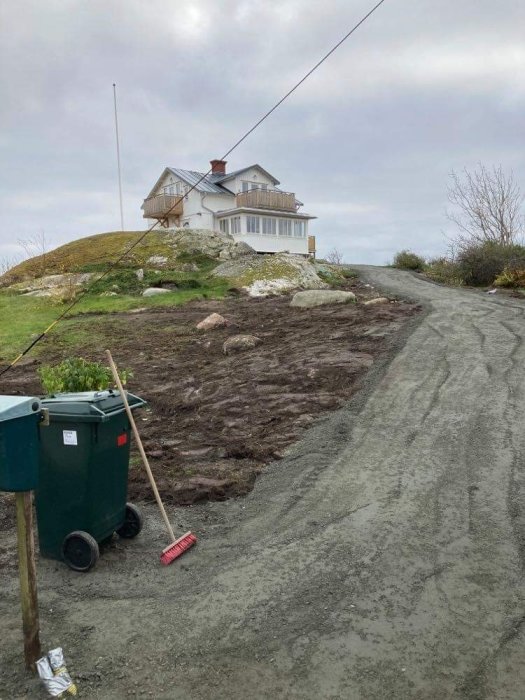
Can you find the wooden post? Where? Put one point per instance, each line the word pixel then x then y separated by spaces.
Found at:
pixel 26 562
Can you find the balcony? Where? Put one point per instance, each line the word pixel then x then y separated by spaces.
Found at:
pixel 267 199
pixel 161 205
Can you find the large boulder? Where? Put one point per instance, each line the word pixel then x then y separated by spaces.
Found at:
pixel 264 275
pixel 195 241
pixel 309 299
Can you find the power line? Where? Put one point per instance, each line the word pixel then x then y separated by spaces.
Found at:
pixel 86 291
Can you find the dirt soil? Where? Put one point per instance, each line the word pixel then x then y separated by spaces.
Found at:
pixel 214 421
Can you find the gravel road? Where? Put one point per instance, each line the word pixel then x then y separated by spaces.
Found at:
pixel 383 558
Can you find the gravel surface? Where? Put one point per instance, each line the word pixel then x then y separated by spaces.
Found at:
pixel 381 559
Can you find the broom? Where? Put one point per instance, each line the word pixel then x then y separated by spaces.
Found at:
pixel 177 546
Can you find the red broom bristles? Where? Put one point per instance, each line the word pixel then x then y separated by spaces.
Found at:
pixel 177 548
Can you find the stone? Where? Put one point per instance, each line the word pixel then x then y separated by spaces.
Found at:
pixel 238 343
pixel 140 274
pixel 212 321
pixel 319 297
pixel 152 291
pixel 157 260
pixel 264 275
pixel 377 300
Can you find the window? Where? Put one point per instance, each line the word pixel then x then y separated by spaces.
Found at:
pixel 169 190
pixel 224 225
pixel 285 227
pixel 253 224
pixel 298 229
pixel 269 226
pixel 247 186
pixel 236 224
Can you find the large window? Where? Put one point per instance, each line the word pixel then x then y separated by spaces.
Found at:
pixel 285 227
pixel 253 224
pixel 236 224
pixel 298 229
pixel 269 226
pixel 224 225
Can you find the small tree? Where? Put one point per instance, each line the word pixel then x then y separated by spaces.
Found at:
pixel 335 257
pixel 487 207
pixel 36 246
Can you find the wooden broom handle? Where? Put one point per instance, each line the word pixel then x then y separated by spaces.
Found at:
pixel 140 446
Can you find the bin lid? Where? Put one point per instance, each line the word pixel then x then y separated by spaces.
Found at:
pixel 89 405
pixel 12 407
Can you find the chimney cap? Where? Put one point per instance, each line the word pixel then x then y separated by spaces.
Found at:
pixel 218 167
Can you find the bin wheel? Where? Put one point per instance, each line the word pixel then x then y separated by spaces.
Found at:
pixel 80 551
pixel 132 524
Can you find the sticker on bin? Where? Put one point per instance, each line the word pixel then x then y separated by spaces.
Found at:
pixel 122 440
pixel 70 437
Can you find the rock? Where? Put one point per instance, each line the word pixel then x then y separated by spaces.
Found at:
pixel 211 243
pixel 152 291
pixel 140 274
pixel 311 298
pixel 157 260
pixel 108 294
pixel 377 300
pixel 238 343
pixel 263 275
pixel 212 321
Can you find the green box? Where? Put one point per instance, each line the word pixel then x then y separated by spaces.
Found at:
pixel 84 460
pixel 19 418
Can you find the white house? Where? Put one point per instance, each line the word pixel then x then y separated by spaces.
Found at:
pixel 245 203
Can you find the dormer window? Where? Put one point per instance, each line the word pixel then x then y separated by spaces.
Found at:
pixel 247 186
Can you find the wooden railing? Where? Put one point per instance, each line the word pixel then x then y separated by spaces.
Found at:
pixel 158 206
pixel 267 199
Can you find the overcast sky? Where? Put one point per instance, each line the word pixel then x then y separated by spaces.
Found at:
pixel 423 87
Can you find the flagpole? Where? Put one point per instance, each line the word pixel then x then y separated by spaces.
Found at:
pixel 118 159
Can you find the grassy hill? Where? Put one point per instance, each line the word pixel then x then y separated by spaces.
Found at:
pixel 92 254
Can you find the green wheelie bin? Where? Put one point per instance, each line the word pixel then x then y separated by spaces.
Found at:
pixel 83 476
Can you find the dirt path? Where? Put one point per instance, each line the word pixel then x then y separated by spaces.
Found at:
pixel 381 559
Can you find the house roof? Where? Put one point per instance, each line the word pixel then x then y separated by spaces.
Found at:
pixel 192 177
pixel 234 173
pixel 211 183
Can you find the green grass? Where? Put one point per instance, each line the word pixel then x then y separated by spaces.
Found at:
pixel 23 318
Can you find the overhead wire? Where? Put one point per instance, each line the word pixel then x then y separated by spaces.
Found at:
pixel 165 218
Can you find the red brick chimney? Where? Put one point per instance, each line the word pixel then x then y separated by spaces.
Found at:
pixel 218 167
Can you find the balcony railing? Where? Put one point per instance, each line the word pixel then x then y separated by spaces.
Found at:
pixel 267 199
pixel 160 205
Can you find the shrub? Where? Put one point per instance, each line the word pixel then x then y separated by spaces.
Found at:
pixel 77 374
pixel 511 278
pixel 480 265
pixel 406 260
pixel 444 271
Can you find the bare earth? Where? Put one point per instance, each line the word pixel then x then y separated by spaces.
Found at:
pixel 381 557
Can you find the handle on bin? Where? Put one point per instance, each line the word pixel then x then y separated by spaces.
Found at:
pixel 140 445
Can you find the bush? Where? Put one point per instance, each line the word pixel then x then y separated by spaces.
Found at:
pixel 511 278
pixel 77 374
pixel 444 271
pixel 480 265
pixel 406 260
